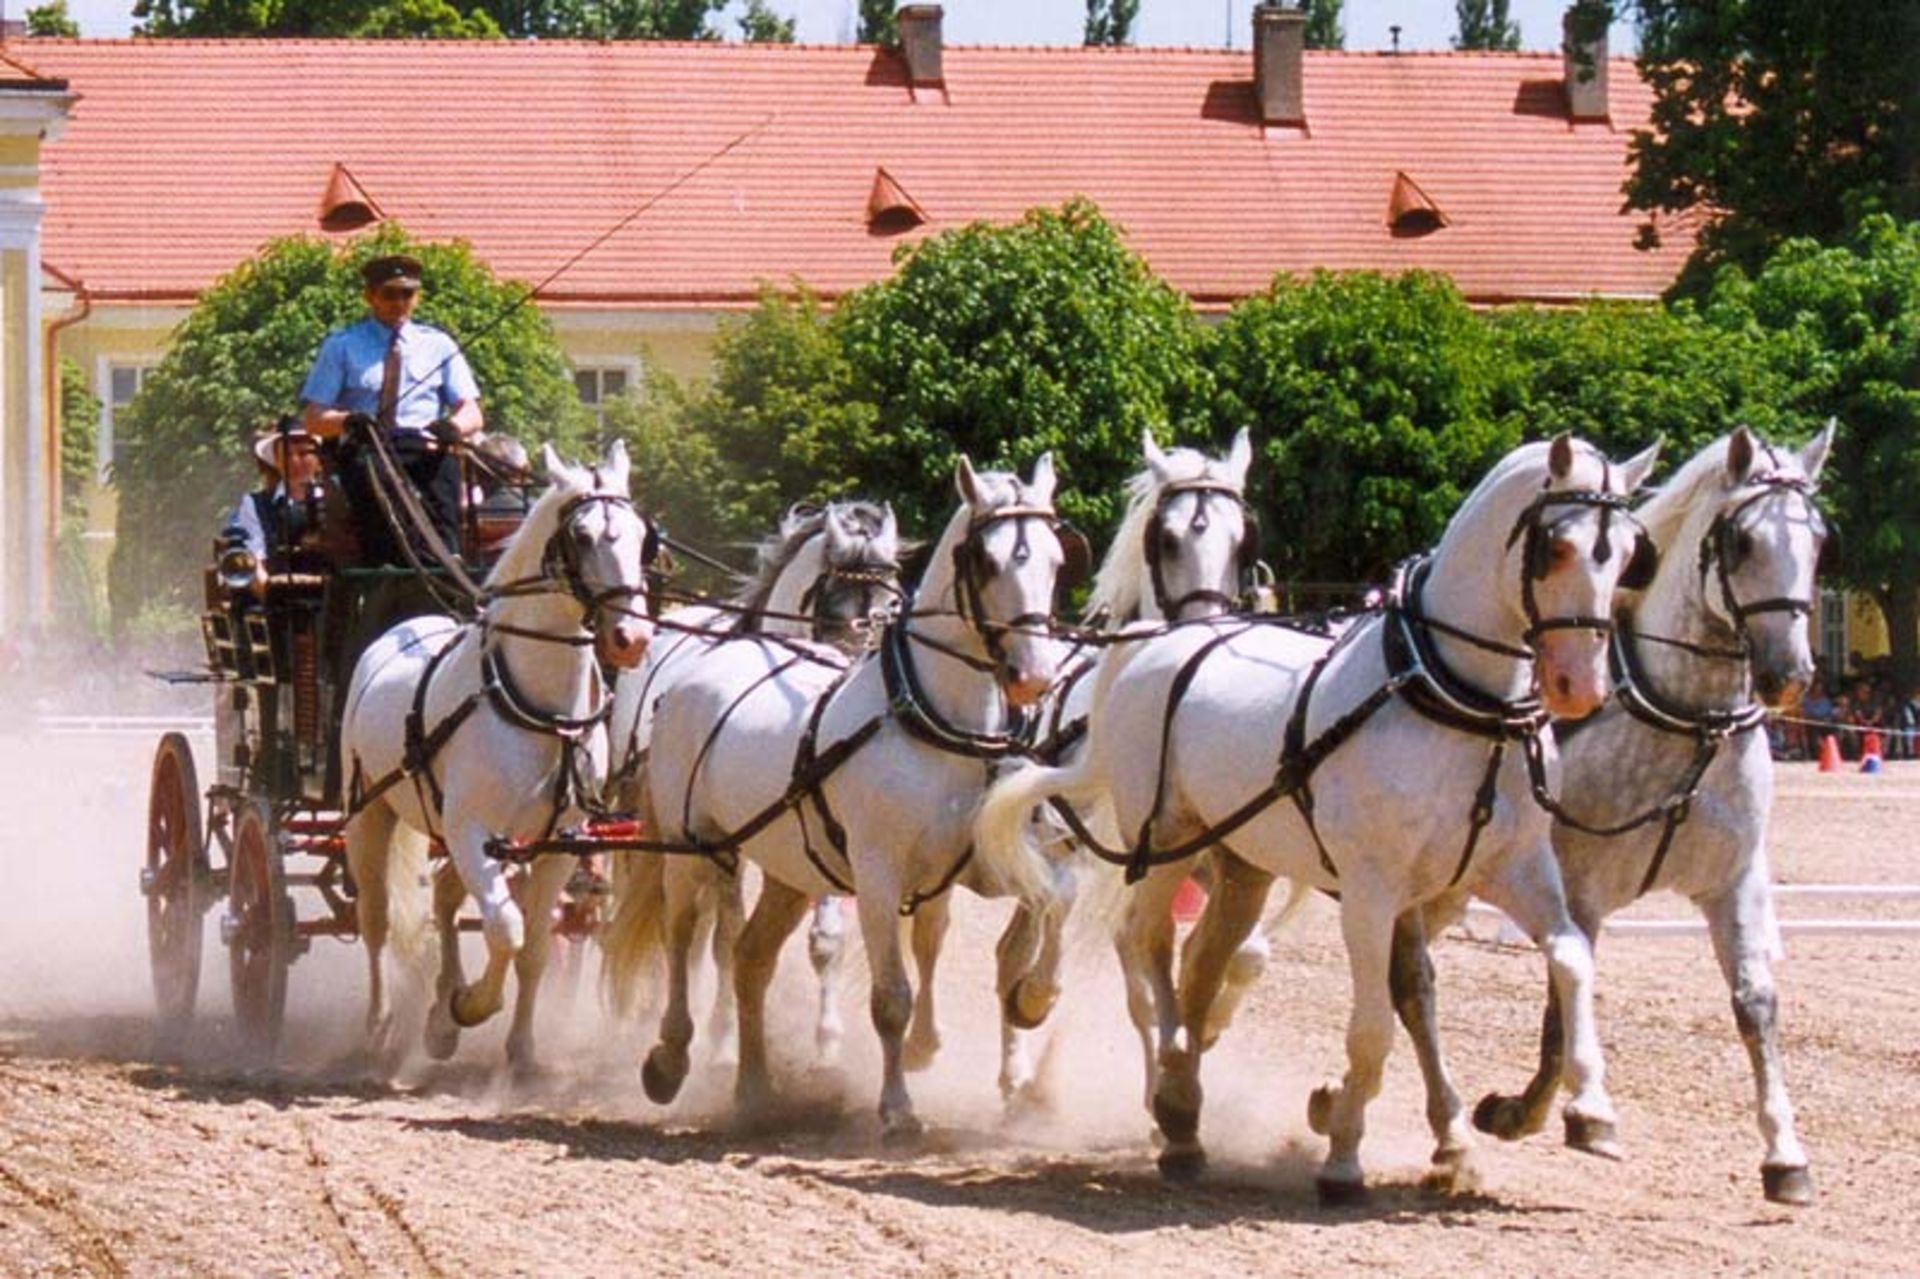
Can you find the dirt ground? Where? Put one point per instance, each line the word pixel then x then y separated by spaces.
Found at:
pixel 113 1161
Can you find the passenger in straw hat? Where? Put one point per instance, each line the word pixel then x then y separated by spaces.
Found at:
pixel 269 520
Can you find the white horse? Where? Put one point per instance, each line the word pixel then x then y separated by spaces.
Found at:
pixel 830 574
pixel 1670 785
pixel 1182 553
pixel 863 782
pixel 494 729
pixel 1399 750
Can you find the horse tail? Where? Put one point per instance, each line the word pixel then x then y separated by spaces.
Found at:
pixel 1004 841
pixel 633 940
pixel 409 903
pixel 1298 890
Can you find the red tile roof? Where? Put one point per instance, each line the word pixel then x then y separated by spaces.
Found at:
pixel 182 157
pixel 16 74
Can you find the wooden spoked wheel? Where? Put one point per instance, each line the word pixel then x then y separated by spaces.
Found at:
pixel 258 930
pixel 174 883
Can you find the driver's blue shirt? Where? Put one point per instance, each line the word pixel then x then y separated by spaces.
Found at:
pixel 348 372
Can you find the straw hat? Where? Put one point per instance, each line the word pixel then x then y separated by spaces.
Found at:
pixel 266 444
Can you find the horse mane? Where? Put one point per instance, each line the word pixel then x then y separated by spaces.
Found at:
pixel 1668 511
pixel 1121 586
pixel 777 550
pixel 521 559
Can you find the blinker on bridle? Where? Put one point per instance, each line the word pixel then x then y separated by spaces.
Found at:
pixel 561 560
pixel 968 555
pixel 1249 544
pixel 1719 550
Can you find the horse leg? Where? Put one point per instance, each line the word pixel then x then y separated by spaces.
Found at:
pixel 775 915
pixel 1367 912
pixel 1249 963
pixel 1741 925
pixel 545 878
pixel 891 999
pixel 729 918
pixel 369 836
pixel 443 1032
pixel 1410 981
pixel 1144 943
pixel 1528 888
pixel 502 922
pixel 1510 1117
pixel 929 934
pixel 666 1066
pixel 826 948
pixel 1239 898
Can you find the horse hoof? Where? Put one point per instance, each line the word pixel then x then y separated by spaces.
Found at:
pixel 462 1019
pixel 1029 1003
pixel 1178 1120
pixel 1786 1185
pixel 661 1082
pixel 1335 1192
pixel 1594 1136
pixel 918 1054
pixel 1452 1173
pixel 1182 1164
pixel 1502 1117
pixel 1320 1109
pixel 899 1131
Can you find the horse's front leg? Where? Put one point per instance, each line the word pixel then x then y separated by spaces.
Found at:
pixel 443 1032
pixel 775 916
pixel 502 922
pixel 665 1068
pixel 930 924
pixel 1511 1116
pixel 1740 920
pixel 1144 943
pixel 1410 979
pixel 545 879
pixel 1238 900
pixel 826 950
pixel 1528 888
pixel 1367 912
pixel 891 999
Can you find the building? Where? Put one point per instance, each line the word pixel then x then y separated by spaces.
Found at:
pixel 652 188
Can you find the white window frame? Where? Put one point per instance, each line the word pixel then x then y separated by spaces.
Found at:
pixel 598 365
pixel 103 368
pixel 1834 639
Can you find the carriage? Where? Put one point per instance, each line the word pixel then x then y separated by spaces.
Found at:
pixel 263 839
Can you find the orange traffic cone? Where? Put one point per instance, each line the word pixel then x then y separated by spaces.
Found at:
pixel 1870 753
pixel 1188 901
pixel 1829 754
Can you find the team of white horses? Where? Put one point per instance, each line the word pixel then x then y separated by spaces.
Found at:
pixel 851 737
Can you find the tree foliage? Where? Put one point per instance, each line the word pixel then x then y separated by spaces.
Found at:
pixel 1483 24
pixel 79 418
pixel 1003 342
pixel 1776 119
pixel 1845 321
pixel 52 19
pixel 456 19
pixel 1325 30
pixel 878 25
pixel 761 25
pixel 236 364
pixel 1374 400
pixel 1110 21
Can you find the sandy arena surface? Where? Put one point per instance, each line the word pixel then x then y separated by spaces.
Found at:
pixel 116 1162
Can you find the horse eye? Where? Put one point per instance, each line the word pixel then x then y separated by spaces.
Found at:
pixel 1169 542
pixel 1742 545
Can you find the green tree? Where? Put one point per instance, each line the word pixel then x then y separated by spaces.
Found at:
pixel 1110 21
pixel 1846 320
pixel 236 364
pixel 1325 30
pixel 432 19
pixel 878 25
pixel 761 25
pixel 79 419
pixel 1375 400
pixel 1776 118
pixel 52 19
pixel 651 20
pixel 1484 25
pixel 1002 342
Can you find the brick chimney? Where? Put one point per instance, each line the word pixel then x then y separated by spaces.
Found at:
pixel 1279 41
pixel 920 41
pixel 1585 67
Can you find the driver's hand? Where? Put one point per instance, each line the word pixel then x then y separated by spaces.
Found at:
pixel 443 430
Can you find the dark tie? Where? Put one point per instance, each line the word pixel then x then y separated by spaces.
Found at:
pixel 390 383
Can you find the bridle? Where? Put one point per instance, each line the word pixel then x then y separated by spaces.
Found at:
pixel 560 567
pixel 1533 525
pixel 1721 550
pixel 1249 552
pixel 881 598
pixel 969 556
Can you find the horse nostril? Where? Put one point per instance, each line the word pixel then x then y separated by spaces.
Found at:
pixel 1564 685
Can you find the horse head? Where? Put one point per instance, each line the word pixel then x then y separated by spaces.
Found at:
pixel 858 587
pixel 1196 539
pixel 1009 549
pixel 602 549
pixel 1760 557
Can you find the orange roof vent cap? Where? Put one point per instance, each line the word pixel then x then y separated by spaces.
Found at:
pixel 890 210
pixel 1411 211
pixel 345 205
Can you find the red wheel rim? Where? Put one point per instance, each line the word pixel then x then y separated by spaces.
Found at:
pixel 173 882
pixel 257 935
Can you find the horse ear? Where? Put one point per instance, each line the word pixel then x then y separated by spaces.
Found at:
pixel 967 481
pixel 1156 460
pixel 1560 456
pixel 887 540
pixel 1044 480
pixel 836 531
pixel 551 464
pixel 1739 455
pixel 1240 457
pixel 1635 470
pixel 618 465
pixel 1813 454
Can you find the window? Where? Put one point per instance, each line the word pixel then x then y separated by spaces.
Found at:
pixel 119 383
pixel 1833 632
pixel 600 384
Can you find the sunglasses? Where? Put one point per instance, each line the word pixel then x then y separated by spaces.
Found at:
pixel 395 293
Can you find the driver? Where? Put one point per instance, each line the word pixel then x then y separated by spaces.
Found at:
pixel 408 380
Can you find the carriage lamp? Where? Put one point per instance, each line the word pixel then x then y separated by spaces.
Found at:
pixel 237 566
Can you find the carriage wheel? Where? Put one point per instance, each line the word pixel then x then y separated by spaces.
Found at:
pixel 174 882
pixel 259 930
